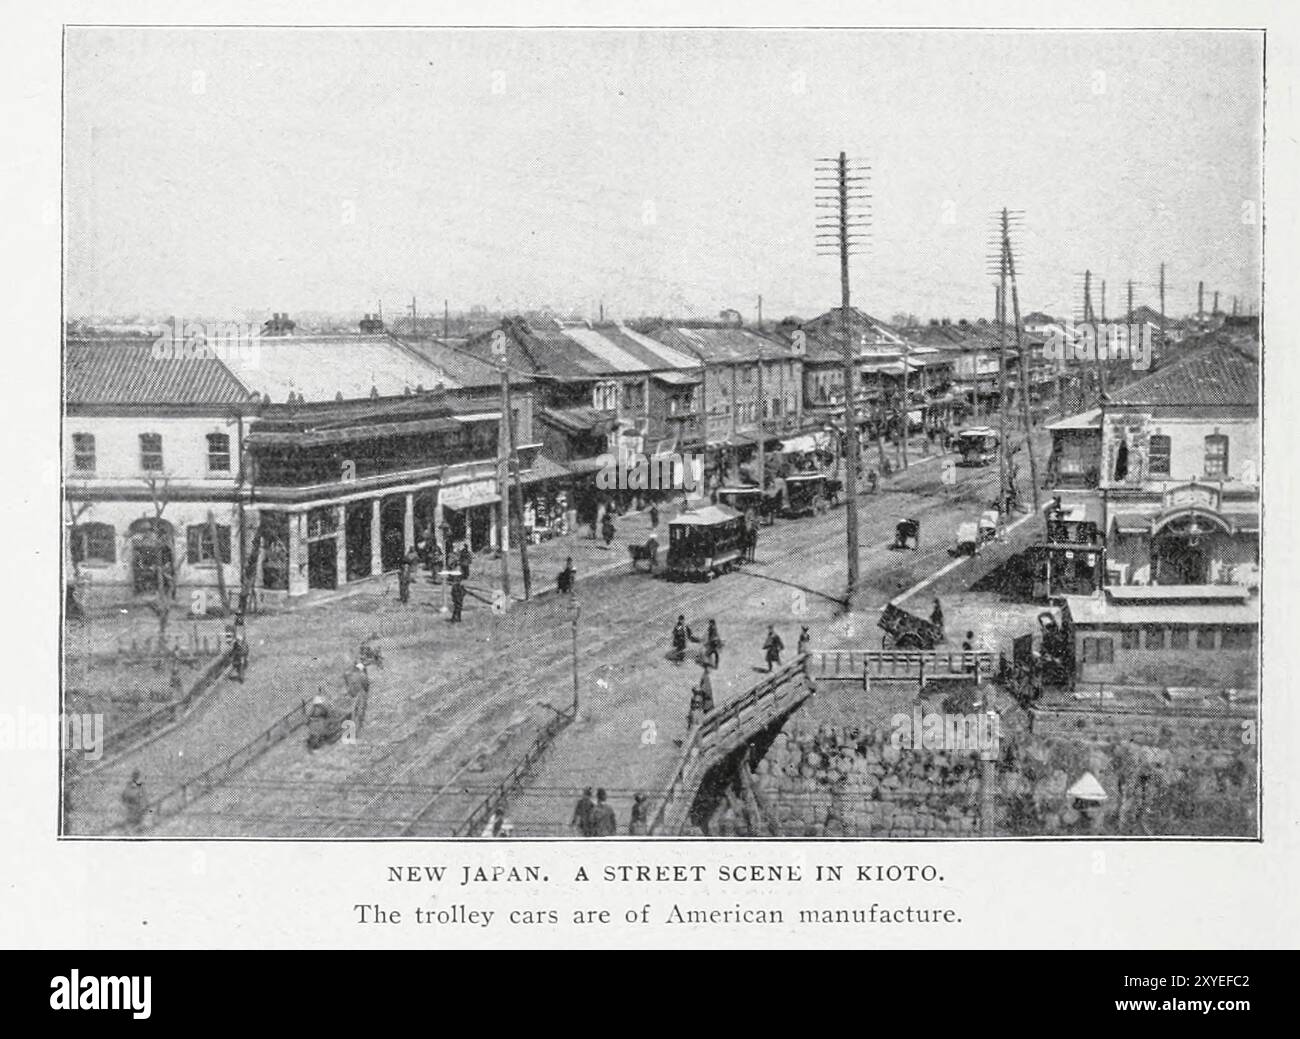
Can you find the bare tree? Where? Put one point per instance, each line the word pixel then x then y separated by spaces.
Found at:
pixel 164 552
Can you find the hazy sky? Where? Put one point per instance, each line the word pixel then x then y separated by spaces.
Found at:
pixel 221 172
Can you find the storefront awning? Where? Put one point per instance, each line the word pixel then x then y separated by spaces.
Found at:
pixel 815 441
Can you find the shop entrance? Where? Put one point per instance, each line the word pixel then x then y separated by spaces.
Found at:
pixel 358 540
pixel 392 532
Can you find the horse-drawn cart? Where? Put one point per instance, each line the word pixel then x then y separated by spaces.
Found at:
pixel 905 630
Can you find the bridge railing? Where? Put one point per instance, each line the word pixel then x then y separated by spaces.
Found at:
pixel 720 728
pixel 850 664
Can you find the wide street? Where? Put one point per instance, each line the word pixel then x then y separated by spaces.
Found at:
pixel 454 707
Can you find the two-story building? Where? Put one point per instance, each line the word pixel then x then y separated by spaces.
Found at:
pixel 288 464
pixel 154 477
pixel 1168 468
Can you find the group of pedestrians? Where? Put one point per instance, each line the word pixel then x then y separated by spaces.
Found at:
pixel 598 819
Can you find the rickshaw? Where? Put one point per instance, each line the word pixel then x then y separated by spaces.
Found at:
pixel 705 541
pixel 805 494
pixel 908 631
pixel 978 446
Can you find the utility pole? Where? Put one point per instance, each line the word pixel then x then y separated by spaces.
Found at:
pixel 413 315
pixel 573 617
pixel 1025 408
pixel 1162 306
pixel 1000 238
pixel 446 321
pixel 906 409
pixel 517 528
pixel 602 311
pixel 1200 303
pixel 760 312
pixel 762 426
pixel 1215 309
pixel 1103 300
pixel 838 233
pixel 503 486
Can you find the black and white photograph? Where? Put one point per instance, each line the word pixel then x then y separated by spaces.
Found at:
pixel 580 433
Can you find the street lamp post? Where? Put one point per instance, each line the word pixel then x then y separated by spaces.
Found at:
pixel 576 612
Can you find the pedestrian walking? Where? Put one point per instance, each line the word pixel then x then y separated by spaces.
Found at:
pixel 239 656
pixel 457 600
pixel 772 646
pixel 466 557
pixel 713 645
pixel 607 529
pixel 936 617
pixel 581 821
pixel 564 581
pixel 681 636
pixel 654 516
pixel 356 682
pixel 604 823
pixel 805 640
pixel 133 797
pixel 637 824
pixel 701 699
pixel 404 583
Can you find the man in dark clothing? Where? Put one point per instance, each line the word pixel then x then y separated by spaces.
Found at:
pixel 636 826
pixel 239 655
pixel 357 684
pixel 607 529
pixel 681 636
pixel 582 813
pixel 457 600
pixel 654 516
pixel 805 640
pixel 713 645
pixel 404 583
pixel 701 699
pixel 564 582
pixel 772 646
pixel 936 617
pixel 603 821
pixel 466 557
pixel 133 796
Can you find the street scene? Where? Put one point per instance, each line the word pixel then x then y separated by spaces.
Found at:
pixel 544 434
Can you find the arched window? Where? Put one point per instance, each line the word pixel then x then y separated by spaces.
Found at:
pixel 1158 451
pixel 1121 461
pixel 94 543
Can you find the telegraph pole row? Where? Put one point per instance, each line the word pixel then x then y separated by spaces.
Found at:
pixel 840 192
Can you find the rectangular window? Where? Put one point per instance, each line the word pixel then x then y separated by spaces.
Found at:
pixel 218 453
pixel 94 543
pixel 322 522
pixel 199 547
pixel 1178 638
pixel 83 452
pixel 151 456
pixel 1237 636
pixel 1098 651
pixel 1129 638
pixel 1216 456
pixel 1203 638
pixel 1158 450
pixel 1155 637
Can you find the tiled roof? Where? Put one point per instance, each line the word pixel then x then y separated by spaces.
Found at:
pixel 125 371
pixel 582 352
pixel 460 365
pixel 1215 374
pixel 722 345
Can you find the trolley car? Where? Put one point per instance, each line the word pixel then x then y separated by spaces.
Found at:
pixel 705 541
pixel 808 494
pixel 977 447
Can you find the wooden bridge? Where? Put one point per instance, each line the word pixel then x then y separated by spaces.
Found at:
pixel 724 731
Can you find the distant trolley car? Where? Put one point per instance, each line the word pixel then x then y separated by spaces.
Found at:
pixel 808 494
pixel 977 447
pixel 705 541
pixel 743 498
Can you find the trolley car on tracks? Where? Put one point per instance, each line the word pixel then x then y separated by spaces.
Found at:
pixel 705 541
